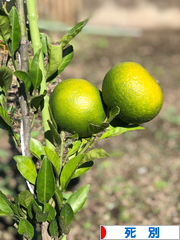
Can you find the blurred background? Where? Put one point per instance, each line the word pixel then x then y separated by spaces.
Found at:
pixel 140 183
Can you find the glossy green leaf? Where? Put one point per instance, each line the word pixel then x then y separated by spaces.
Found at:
pixel 5 78
pixel 54 59
pixel 5 205
pixel 26 229
pixel 55 133
pixel 3 214
pixel 78 199
pixel 74 148
pixel 35 71
pixel 52 213
pixel 67 57
pixel 113 113
pixel 24 76
pixel 37 148
pixel 72 33
pixel 15 209
pixel 94 154
pixel 15 35
pixel 36 101
pixel 58 198
pixel 53 229
pixel 45 182
pixel 69 170
pixel 83 168
pixel 43 38
pixel 67 213
pixel 98 129
pixel 26 167
pixel 54 158
pixel 5 117
pixel 25 198
pixel 5 27
pixel 115 131
pixel 42 217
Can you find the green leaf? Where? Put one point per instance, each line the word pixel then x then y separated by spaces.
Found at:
pixel 36 101
pixel 5 78
pixel 43 38
pixel 37 148
pixel 54 158
pixel 58 198
pixel 45 182
pixel 78 199
pixel 4 118
pixel 72 33
pixel 5 204
pixel 67 213
pixel 83 168
pixel 51 211
pixel 54 59
pixel 35 71
pixel 113 113
pixel 69 170
pixel 74 148
pixel 3 214
pixel 5 27
pixel 24 76
pixel 42 217
pixel 25 198
pixel 94 154
pixel 55 134
pixel 115 131
pixel 26 229
pixel 98 129
pixel 26 167
pixel 15 29
pixel 53 229
pixel 66 59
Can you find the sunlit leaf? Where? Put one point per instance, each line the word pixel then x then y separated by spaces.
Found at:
pixel 72 33
pixel 35 71
pixel 5 27
pixel 25 198
pixel 26 167
pixel 43 38
pixel 78 199
pixel 24 76
pixel 83 168
pixel 54 158
pixel 115 131
pixel 5 204
pixel 69 169
pixel 45 182
pixel 74 148
pixel 15 29
pixel 37 148
pixel 54 59
pixel 95 154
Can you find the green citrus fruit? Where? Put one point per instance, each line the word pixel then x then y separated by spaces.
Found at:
pixel 75 103
pixel 130 87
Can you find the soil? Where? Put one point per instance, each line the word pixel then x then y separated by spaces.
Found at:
pixel 139 184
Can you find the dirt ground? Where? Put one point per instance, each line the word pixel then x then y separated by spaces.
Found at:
pixel 139 184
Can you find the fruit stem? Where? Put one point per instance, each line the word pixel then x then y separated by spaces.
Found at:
pixel 36 44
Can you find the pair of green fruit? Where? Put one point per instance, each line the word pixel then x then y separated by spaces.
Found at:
pixel 75 103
